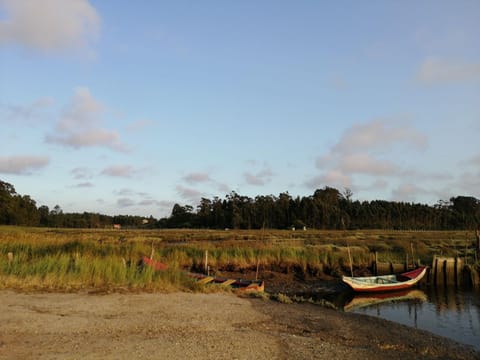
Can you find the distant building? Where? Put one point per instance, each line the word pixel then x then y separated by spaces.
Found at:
pixel 117 226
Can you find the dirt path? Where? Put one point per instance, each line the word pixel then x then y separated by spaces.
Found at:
pixel 200 326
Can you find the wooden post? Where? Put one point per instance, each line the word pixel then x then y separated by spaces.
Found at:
pixel 413 256
pixel 455 271
pixel 350 258
pixel 10 256
pixel 434 269
pixel 152 251
pixel 375 272
pixel 444 271
pixel 477 250
pixel 450 271
pixel 474 275
pixel 206 262
pixel 461 271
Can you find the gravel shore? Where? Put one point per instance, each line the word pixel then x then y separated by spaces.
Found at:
pixel 201 326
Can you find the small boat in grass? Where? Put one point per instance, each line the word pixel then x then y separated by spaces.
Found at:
pixel 155 265
pixel 383 283
pixel 240 284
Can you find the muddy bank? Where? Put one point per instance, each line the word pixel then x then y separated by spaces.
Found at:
pixel 294 283
pixel 201 326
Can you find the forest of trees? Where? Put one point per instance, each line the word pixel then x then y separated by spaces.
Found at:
pixel 327 208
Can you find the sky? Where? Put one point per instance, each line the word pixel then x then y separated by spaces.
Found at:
pixel 128 107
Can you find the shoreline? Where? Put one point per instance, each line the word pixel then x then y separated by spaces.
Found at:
pixel 202 326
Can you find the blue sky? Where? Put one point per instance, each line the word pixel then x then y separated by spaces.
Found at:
pixel 128 107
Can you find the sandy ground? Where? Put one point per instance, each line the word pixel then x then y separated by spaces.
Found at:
pixel 201 326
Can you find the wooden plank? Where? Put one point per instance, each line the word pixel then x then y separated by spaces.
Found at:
pixel 205 280
pixel 228 282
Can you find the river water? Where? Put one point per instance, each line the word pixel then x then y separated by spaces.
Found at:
pixel 449 312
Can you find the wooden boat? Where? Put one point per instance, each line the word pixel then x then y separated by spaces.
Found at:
pixel 155 265
pixel 386 282
pixel 240 284
pixel 364 300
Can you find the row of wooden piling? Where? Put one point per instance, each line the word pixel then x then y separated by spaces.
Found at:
pixel 452 271
pixel 443 271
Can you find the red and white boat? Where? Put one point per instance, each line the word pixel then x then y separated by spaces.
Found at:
pixel 385 282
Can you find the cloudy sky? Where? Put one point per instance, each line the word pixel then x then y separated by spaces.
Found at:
pixel 126 107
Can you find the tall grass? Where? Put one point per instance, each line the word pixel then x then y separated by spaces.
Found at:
pixel 75 259
pixel 63 271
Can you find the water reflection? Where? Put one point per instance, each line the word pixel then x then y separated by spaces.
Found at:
pixel 448 311
pixel 367 300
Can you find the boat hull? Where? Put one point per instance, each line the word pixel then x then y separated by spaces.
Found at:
pixel 385 283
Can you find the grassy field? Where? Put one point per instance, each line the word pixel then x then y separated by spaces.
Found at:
pixel 67 259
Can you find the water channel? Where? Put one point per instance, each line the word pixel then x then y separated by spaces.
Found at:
pixel 445 311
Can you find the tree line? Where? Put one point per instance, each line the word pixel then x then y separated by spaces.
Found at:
pixel 327 208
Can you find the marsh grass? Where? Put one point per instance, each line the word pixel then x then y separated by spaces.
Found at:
pixel 76 259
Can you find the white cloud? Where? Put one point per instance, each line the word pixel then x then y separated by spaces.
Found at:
pixel 119 171
pixel 88 138
pixel 469 183
pixel 253 180
pixel 159 203
pixel 260 178
pixel 408 192
pixel 189 193
pixel 363 150
pixel 224 188
pixel 49 25
pixel 379 135
pixel 83 111
pixel 125 202
pixel 203 178
pixel 81 173
pixel 197 177
pixel 80 125
pixel 356 151
pixel 29 113
pixel 438 71
pixel 85 185
pixel 366 164
pixel 333 178
pixel 22 164
pixel 475 160
pixel 124 192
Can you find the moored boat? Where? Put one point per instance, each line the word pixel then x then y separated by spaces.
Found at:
pixel 382 283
